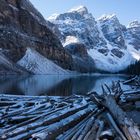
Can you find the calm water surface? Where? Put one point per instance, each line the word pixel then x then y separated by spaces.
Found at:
pixel 55 85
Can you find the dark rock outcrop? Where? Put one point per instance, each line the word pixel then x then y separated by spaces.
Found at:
pixel 117 52
pixel 104 51
pixel 22 26
pixel 81 60
pixel 8 67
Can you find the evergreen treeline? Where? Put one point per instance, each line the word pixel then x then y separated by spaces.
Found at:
pixel 133 69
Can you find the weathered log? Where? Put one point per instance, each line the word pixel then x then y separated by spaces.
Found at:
pixel 18 119
pixel 128 106
pixel 108 100
pixel 48 112
pixel 83 131
pixel 55 129
pixel 29 110
pixel 129 128
pixel 37 107
pixel 91 135
pixel 16 112
pixel 47 121
pixel 86 128
pixel 70 133
pixel 101 126
pixel 89 125
pixel 113 123
pixel 131 98
pixel 75 136
pixel 131 92
pixel 130 80
pixel 5 103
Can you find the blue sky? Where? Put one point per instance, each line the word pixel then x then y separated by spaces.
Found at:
pixel 126 10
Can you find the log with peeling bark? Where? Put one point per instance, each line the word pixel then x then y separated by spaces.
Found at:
pixel 129 128
pixel 131 98
pixel 127 125
pixel 130 80
pixel 88 117
pixel 135 81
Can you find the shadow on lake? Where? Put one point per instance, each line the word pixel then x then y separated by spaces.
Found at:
pixel 55 85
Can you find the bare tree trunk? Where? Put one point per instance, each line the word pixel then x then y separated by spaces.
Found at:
pixel 129 128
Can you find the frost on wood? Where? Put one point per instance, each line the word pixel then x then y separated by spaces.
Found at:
pixel 92 116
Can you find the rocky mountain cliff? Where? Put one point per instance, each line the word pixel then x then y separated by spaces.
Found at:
pixel 111 45
pixel 22 27
pixel 8 67
pixel 74 40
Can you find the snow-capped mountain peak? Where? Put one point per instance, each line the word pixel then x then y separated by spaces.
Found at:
pixel 107 17
pixel 78 13
pixel 134 24
pixel 80 9
pixel 105 39
pixel 52 17
pixel 70 39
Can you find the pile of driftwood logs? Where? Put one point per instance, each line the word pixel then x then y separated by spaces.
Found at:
pixel 89 117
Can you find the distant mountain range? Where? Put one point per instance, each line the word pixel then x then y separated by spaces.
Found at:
pixel 72 41
pixel 111 45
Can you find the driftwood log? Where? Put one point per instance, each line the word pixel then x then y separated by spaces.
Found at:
pixel 109 101
pixel 89 117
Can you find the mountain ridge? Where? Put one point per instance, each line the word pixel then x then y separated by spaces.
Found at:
pixel 112 46
pixel 22 27
pixel 71 41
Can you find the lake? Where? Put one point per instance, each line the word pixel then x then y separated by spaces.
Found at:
pixel 55 85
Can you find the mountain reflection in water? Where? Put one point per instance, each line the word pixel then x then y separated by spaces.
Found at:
pixel 55 85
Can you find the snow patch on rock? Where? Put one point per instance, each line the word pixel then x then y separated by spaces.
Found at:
pixel 70 39
pixel 110 63
pixel 38 64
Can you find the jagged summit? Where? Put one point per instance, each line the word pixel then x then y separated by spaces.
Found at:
pixel 134 24
pixel 52 17
pixel 77 13
pixel 109 43
pixel 80 9
pixel 109 16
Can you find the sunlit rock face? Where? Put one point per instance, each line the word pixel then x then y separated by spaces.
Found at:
pixel 22 27
pixel 112 30
pixel 79 23
pixel 133 34
pixel 111 45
